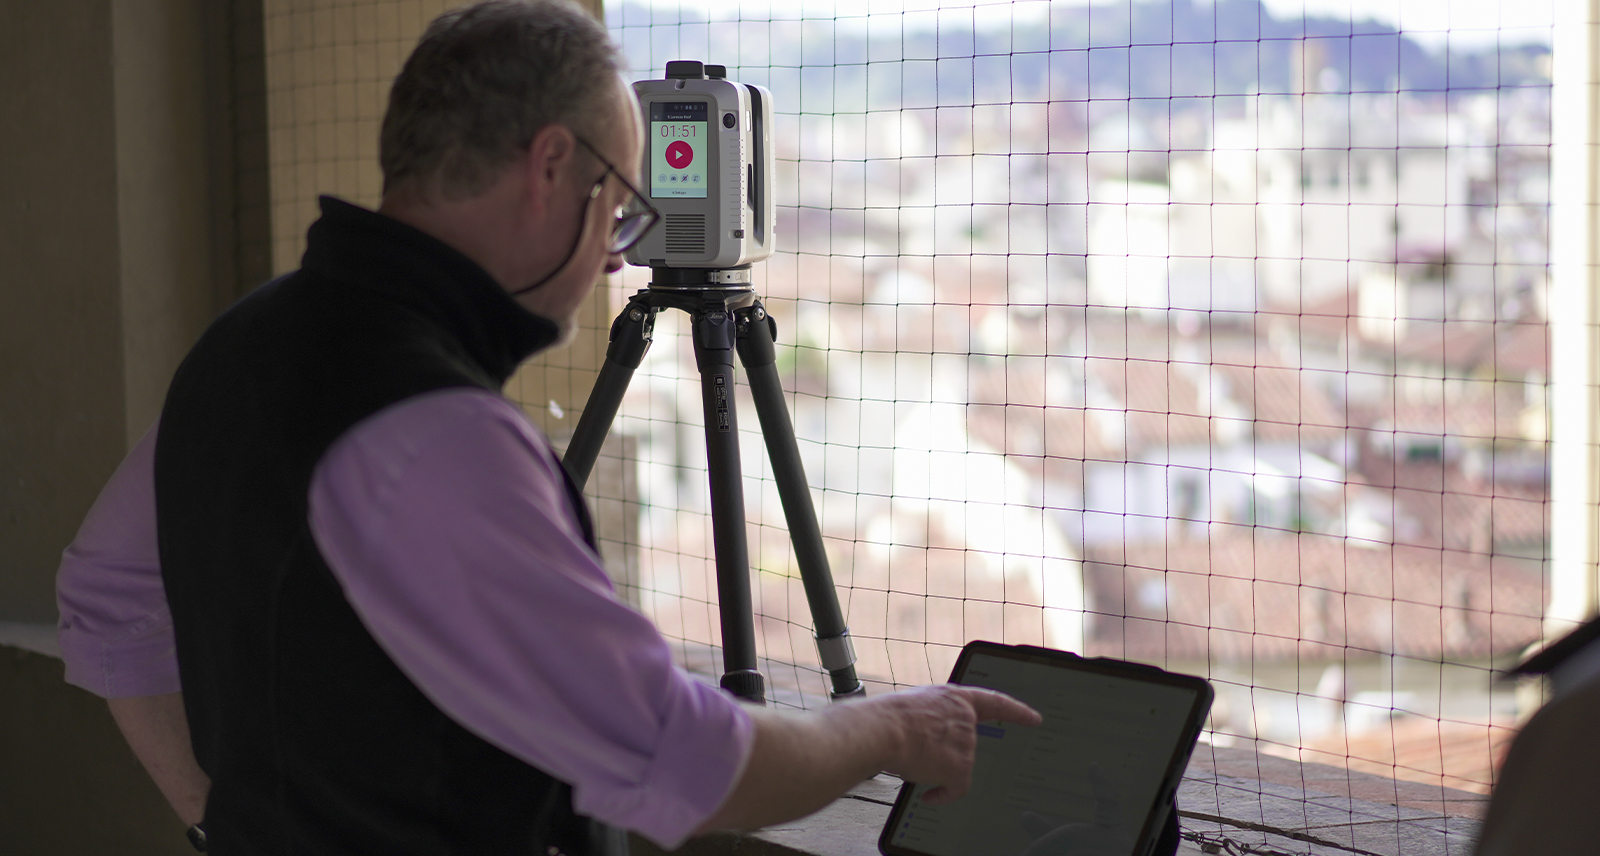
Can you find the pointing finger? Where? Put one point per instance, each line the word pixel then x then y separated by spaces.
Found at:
pixel 993 705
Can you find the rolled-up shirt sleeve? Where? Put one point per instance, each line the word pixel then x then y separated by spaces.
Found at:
pixel 447 522
pixel 115 630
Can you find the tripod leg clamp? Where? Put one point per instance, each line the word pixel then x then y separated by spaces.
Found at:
pixel 746 684
pixel 836 652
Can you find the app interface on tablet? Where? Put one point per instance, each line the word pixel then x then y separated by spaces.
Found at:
pixel 1082 782
pixel 678 142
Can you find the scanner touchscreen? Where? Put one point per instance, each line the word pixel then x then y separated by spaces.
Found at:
pixel 1084 781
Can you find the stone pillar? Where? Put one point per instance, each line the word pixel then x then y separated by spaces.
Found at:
pixel 1575 243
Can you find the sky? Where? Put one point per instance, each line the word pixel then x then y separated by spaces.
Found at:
pixel 1433 23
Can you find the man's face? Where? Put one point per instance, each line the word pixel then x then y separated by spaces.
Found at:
pixel 560 298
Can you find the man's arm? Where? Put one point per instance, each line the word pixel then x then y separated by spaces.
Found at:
pixel 802 761
pixel 448 524
pixel 157 729
pixel 116 633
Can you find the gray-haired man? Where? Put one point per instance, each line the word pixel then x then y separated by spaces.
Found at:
pixel 393 633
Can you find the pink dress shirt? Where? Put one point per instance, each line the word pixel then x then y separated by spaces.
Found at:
pixel 446 521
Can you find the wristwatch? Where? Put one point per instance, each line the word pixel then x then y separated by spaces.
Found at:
pixel 197 837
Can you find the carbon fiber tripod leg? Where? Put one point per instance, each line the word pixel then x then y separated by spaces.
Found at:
pixel 757 331
pixel 630 339
pixel 713 327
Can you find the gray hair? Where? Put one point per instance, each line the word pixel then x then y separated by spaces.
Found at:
pixel 483 80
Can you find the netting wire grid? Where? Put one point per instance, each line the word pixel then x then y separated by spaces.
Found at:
pixel 1206 335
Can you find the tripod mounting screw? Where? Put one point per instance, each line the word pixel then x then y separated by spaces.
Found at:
pixel 636 315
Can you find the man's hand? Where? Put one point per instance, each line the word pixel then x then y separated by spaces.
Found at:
pixel 157 729
pixel 940 731
pixel 802 761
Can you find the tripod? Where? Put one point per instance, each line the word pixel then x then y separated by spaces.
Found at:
pixel 727 317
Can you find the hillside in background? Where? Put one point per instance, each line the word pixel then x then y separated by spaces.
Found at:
pixel 1145 50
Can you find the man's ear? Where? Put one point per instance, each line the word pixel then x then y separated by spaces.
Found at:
pixel 549 159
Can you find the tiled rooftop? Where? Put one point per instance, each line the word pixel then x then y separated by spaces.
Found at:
pixel 1249 595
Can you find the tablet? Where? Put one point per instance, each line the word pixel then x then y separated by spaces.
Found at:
pixel 1097 777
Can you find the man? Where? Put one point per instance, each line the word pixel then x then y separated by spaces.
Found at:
pixel 392 631
pixel 1543 798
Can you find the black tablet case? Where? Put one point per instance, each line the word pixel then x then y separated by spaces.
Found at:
pixel 1158 835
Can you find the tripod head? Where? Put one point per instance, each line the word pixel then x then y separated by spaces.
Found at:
pixel 701 279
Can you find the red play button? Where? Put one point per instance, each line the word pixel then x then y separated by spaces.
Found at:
pixel 679 155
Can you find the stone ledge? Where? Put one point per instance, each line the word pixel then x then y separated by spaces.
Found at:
pixel 1228 794
pixel 38 638
pixel 846 827
pixel 1320 810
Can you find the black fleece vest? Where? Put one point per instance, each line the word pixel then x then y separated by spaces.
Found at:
pixel 315 742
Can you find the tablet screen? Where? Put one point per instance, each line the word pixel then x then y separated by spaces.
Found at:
pixel 1087 780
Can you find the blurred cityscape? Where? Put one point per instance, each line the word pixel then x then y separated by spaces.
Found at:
pixel 1166 331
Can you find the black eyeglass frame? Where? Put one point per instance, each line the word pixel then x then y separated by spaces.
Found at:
pixel 638 210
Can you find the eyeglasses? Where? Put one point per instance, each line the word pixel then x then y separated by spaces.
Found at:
pixel 634 218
